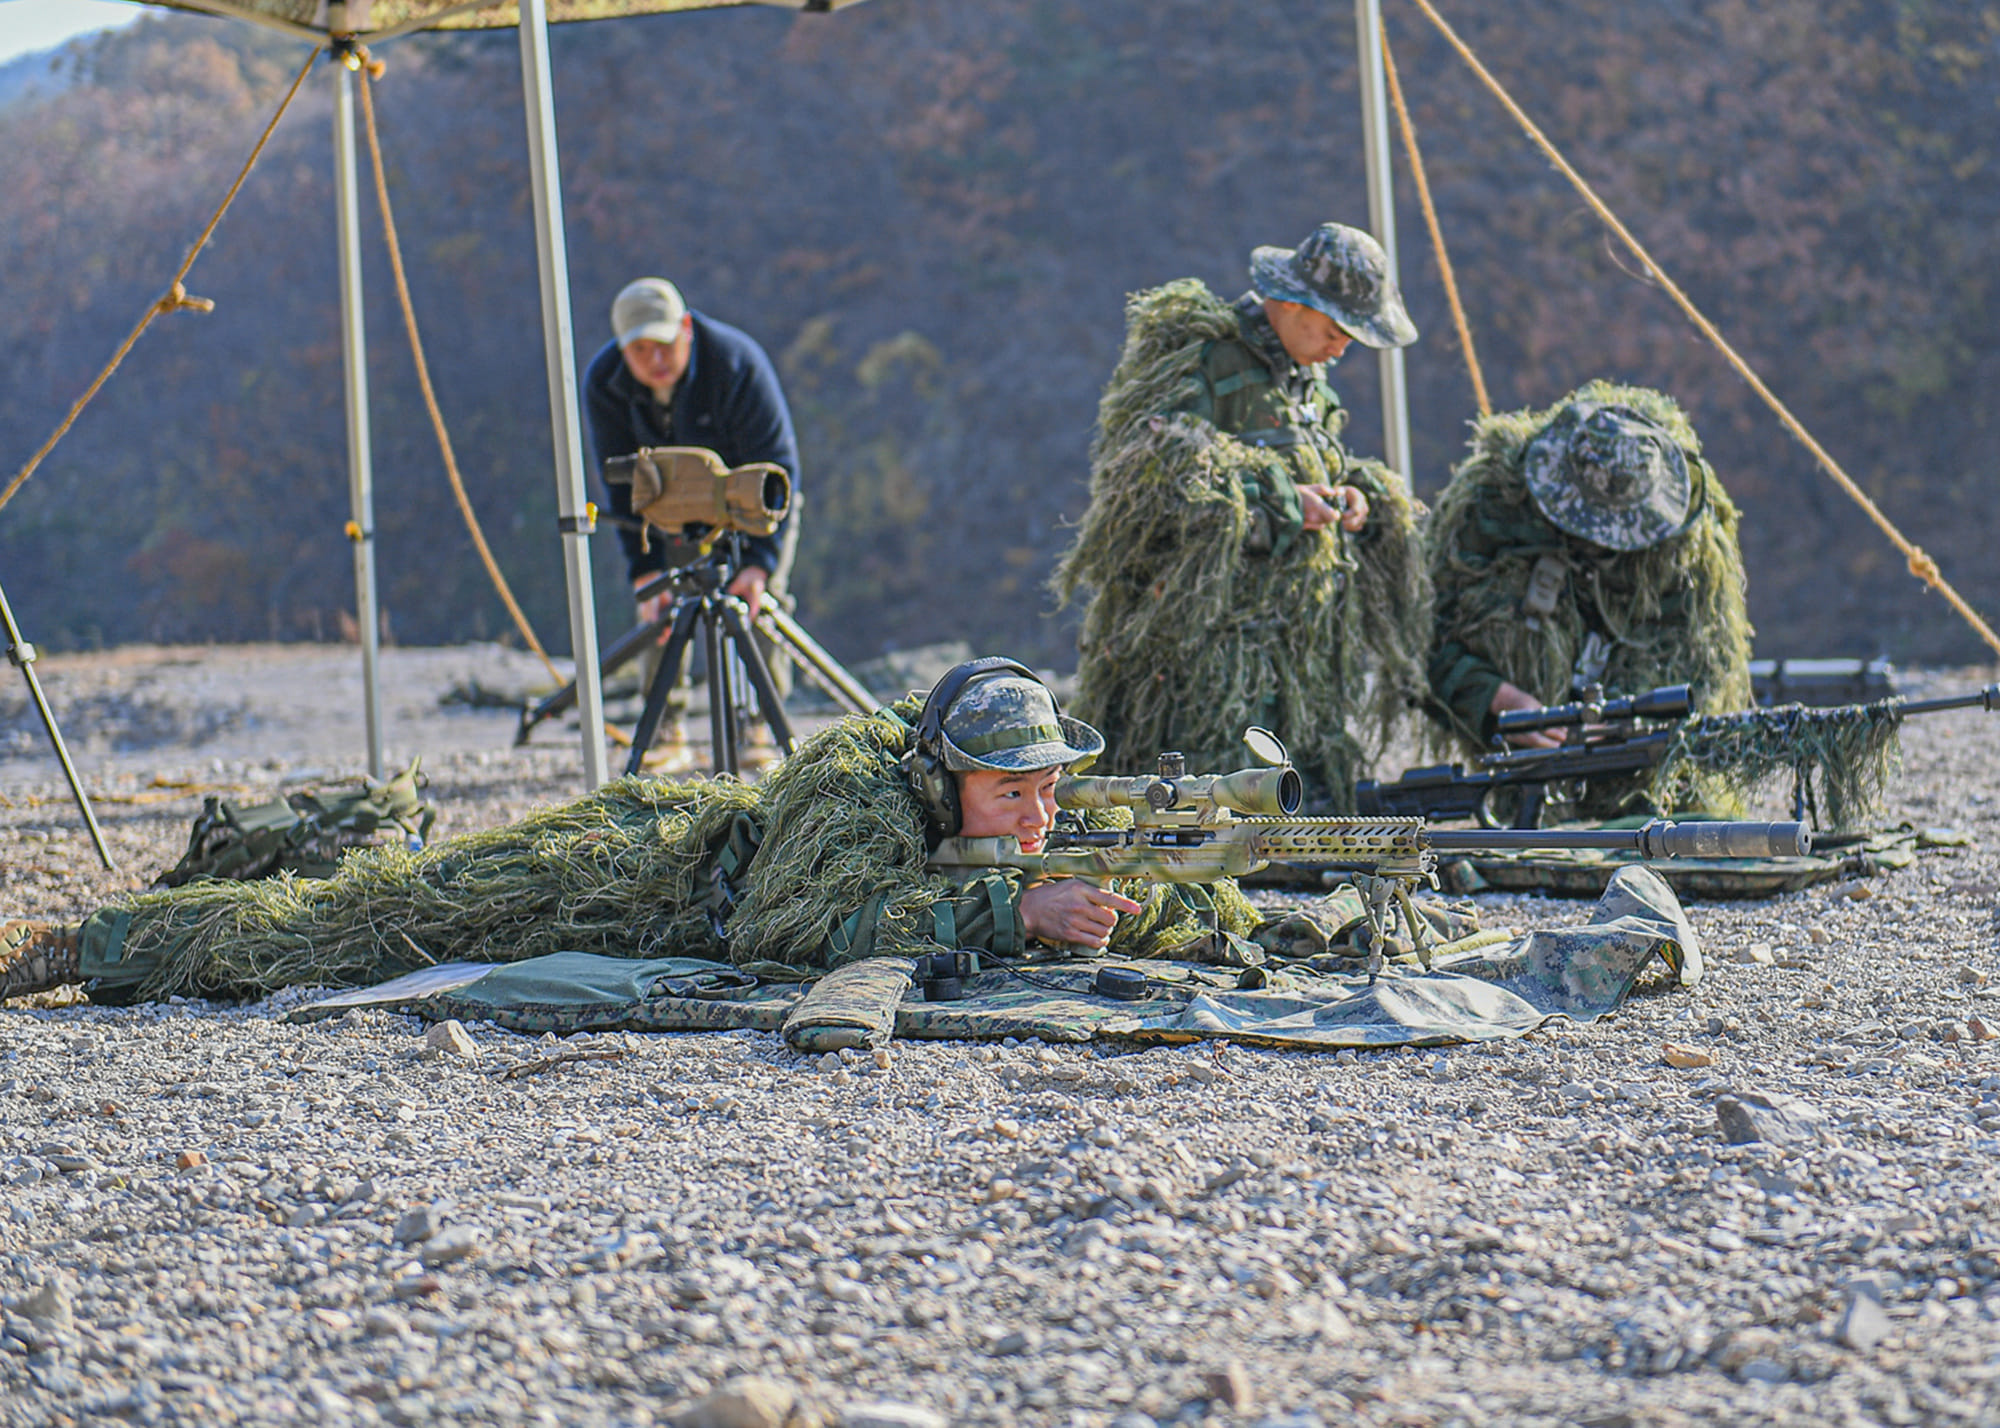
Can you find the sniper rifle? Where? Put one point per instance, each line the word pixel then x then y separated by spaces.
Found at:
pixel 1199 828
pixel 1608 738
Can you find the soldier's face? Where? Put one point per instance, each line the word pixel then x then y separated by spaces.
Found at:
pixel 1020 805
pixel 660 364
pixel 1308 334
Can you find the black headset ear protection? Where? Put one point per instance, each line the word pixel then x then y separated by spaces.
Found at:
pixel 924 764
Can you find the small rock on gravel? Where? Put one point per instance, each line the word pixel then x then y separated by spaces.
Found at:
pixel 450 1038
pixel 1863 1324
pixel 743 1403
pixel 1754 1116
pixel 889 1415
pixel 418 1225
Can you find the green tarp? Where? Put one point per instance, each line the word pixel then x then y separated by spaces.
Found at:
pixel 1482 995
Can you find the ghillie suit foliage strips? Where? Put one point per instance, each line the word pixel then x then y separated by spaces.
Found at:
pixel 1843 757
pixel 623 872
pixel 1187 639
pixel 1698 573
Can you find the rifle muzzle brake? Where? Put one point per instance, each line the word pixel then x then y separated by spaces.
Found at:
pixel 1661 839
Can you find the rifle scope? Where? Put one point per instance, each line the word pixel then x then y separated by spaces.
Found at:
pixel 1669 701
pixel 1274 792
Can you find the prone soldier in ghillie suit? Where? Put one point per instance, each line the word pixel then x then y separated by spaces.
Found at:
pixel 819 865
pixel 1242 567
pixel 1588 544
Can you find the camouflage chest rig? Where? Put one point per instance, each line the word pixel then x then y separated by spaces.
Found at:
pixel 1252 390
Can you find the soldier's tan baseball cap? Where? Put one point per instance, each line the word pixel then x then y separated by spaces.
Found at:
pixel 648 308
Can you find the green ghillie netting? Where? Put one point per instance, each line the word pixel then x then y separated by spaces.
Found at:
pixel 626 871
pixel 841 829
pixel 1676 610
pixel 1843 756
pixel 1187 639
pixel 620 871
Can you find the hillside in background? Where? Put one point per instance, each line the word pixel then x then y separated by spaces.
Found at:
pixel 930 214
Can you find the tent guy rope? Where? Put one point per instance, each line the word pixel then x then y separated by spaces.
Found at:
pixel 372 70
pixel 1458 318
pixel 1920 563
pixel 176 298
pixel 359 59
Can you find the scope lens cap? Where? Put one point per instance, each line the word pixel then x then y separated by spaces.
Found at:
pixel 1121 984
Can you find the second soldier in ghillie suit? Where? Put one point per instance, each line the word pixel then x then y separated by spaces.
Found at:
pixel 1588 544
pixel 819 865
pixel 1242 568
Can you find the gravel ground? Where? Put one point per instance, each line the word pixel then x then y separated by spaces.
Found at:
pixel 212 1217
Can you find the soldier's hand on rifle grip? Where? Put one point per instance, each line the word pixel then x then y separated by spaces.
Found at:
pixel 1071 912
pixel 1512 696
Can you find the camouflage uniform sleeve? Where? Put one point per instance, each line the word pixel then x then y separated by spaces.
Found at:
pixel 983 913
pixel 1462 680
pixel 1463 684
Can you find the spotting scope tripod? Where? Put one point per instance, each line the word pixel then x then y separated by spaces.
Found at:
pixel 701 602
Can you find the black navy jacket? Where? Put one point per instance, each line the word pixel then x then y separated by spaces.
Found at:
pixel 728 400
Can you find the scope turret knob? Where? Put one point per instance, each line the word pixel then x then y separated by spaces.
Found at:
pixel 1161 793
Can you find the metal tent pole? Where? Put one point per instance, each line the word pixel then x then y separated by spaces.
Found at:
pixel 1382 219
pixel 354 369
pixel 22 656
pixel 553 253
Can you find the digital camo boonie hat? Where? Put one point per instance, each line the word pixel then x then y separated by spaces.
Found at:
pixel 1610 476
pixel 1010 723
pixel 1343 273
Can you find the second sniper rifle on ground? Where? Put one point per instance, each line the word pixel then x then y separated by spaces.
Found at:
pixel 1198 828
pixel 1608 738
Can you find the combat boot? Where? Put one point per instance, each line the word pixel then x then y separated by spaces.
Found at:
pixel 38 957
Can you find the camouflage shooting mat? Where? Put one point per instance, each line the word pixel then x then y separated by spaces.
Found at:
pixel 1584 872
pixel 1484 994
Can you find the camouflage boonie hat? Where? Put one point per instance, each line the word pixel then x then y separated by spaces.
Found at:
pixel 1610 476
pixel 1343 273
pixel 1010 724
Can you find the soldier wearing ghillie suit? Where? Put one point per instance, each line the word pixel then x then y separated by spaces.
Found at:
pixel 1243 568
pixel 819 865
pixel 1586 545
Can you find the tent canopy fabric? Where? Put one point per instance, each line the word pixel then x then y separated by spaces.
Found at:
pixel 370 20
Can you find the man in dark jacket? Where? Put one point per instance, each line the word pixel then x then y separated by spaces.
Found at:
pixel 671 376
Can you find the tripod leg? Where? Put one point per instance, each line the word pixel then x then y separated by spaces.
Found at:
pixel 768 702
pixel 721 718
pixel 629 647
pixel 22 654
pixel 664 679
pixel 826 671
